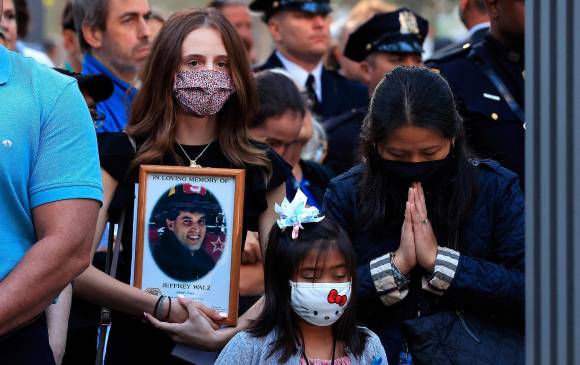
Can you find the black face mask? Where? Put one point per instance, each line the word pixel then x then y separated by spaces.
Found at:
pixel 429 173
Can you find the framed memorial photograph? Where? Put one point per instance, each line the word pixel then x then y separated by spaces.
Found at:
pixel 188 234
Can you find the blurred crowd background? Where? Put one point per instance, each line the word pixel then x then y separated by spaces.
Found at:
pixel 443 16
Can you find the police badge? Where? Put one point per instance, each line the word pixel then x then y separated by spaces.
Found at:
pixel 408 23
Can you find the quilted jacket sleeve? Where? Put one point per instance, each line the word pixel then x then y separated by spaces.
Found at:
pixel 375 279
pixel 497 284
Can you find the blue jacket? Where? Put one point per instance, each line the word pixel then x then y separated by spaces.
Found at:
pixel 489 278
pixel 116 109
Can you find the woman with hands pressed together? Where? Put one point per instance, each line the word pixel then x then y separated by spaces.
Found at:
pixel 433 229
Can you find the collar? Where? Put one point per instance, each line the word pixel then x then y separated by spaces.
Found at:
pixel 300 75
pixel 4 65
pixel 92 66
pixel 503 51
pixel 478 27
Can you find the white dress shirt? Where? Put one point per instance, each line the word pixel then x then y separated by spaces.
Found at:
pixel 300 75
pixel 477 27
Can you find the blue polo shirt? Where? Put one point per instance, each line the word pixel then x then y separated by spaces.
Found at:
pixel 48 149
pixel 116 109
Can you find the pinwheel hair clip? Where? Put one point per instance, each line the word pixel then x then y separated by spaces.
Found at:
pixel 294 213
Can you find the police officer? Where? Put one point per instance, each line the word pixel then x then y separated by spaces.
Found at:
pixel 473 15
pixel 301 33
pixel 488 80
pixel 385 41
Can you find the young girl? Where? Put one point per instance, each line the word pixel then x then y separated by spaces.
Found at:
pixel 308 316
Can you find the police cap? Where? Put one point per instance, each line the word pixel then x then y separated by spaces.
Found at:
pixel 400 31
pixel 270 7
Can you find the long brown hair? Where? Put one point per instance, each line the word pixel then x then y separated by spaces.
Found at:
pixel 154 110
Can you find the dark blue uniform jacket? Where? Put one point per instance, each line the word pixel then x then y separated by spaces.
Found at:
pixel 339 94
pixel 493 130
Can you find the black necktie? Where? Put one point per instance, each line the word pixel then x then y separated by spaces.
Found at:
pixel 311 97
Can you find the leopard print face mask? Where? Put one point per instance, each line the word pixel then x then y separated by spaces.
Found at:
pixel 203 92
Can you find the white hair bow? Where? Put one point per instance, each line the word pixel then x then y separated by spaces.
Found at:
pixel 293 214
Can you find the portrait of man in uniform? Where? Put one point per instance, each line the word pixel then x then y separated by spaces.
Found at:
pixel 187 234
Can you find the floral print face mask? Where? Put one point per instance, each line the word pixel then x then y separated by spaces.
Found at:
pixel 203 92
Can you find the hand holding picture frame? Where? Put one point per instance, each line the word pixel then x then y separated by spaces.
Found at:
pixel 188 234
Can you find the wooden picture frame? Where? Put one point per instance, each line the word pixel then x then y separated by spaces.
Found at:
pixel 188 234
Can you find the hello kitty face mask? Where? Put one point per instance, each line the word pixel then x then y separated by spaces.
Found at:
pixel 320 304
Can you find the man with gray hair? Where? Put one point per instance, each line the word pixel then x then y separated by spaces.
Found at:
pixel 115 37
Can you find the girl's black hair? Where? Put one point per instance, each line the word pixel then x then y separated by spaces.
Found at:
pixel 419 97
pixel 283 258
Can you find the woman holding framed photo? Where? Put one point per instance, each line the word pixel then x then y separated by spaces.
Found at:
pixel 196 99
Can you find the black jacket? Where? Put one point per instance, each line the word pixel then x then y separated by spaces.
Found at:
pixel 343 135
pixel 455 47
pixel 317 177
pixel 178 262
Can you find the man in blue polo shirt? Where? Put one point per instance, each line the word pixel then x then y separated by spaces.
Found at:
pixel 115 37
pixel 49 199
